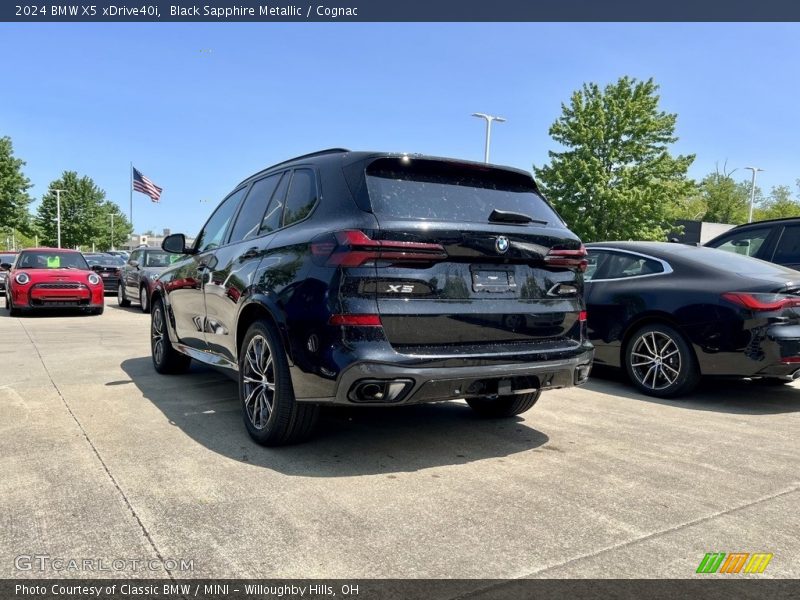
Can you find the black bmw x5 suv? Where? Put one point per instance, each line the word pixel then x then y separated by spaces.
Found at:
pixel 364 278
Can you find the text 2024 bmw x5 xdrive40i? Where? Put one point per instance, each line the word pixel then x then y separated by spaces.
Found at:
pixel 376 279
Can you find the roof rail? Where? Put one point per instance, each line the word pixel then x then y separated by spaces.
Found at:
pixel 310 155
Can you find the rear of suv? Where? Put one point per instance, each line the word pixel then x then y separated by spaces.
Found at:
pixel 364 279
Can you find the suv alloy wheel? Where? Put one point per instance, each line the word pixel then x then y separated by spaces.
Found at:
pixel 271 414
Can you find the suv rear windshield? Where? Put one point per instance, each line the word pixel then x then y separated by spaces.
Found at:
pixel 408 188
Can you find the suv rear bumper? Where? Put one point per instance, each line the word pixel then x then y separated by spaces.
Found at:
pixel 437 384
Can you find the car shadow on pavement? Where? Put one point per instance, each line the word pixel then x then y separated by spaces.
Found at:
pixel 348 442
pixel 735 396
pixel 134 308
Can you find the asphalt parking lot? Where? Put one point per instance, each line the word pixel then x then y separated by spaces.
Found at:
pixel 100 457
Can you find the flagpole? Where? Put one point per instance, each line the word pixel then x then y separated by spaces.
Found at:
pixel 130 190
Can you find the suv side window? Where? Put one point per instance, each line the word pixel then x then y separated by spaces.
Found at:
pixel 213 234
pixel 135 255
pixel 302 196
pixel 272 218
pixel 788 250
pixel 747 243
pixel 248 223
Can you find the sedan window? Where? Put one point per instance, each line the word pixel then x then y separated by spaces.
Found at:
pixel 620 265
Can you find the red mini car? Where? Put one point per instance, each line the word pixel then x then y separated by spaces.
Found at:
pixel 53 278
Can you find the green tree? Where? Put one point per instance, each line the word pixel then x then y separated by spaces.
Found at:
pixel 85 215
pixel 122 227
pixel 725 199
pixel 14 186
pixel 616 178
pixel 778 204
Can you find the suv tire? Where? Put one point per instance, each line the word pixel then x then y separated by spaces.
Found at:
pixel 122 299
pixel 504 406
pixel 265 385
pixel 166 359
pixel 144 300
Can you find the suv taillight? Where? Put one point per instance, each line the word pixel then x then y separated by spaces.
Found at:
pixel 568 258
pixel 353 248
pixel 762 302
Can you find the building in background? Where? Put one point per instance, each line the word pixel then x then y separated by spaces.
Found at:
pixel 150 239
pixel 698 232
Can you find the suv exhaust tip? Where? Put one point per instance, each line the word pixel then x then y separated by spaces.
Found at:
pixel 380 391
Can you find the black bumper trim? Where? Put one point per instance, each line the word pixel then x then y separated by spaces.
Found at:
pixel 551 375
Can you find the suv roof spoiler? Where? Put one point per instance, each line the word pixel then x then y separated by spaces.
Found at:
pixel 310 155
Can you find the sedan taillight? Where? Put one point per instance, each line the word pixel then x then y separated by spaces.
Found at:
pixel 762 302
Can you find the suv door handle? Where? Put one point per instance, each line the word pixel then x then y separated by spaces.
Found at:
pixel 250 253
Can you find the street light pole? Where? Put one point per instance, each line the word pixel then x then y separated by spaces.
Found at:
pixel 752 191
pixel 489 119
pixel 58 212
pixel 112 231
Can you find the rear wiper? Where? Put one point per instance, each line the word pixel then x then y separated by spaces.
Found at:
pixel 507 216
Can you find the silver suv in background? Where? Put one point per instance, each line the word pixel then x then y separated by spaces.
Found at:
pixel 138 275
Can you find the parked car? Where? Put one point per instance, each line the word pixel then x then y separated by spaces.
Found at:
pixel 138 274
pixel 362 279
pixel 669 313
pixel 123 253
pixel 108 267
pixel 6 258
pixel 43 278
pixel 776 241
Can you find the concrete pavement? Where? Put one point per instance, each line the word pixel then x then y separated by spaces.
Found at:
pixel 102 458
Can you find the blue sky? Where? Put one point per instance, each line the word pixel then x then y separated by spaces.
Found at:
pixel 199 107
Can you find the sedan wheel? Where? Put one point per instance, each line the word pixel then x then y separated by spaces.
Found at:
pixel 660 362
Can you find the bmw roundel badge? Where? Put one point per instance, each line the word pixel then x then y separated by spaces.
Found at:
pixel 502 244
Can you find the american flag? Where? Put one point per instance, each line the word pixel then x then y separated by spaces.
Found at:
pixel 144 185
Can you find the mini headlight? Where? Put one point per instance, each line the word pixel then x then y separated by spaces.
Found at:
pixel 93 279
pixel 22 278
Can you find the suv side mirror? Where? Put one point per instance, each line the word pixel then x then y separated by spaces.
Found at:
pixel 176 244
pixel 5 266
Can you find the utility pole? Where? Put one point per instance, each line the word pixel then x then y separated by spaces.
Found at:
pixel 58 212
pixel 489 119
pixel 752 191
pixel 112 230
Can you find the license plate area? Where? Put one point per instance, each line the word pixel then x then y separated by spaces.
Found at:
pixel 492 280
